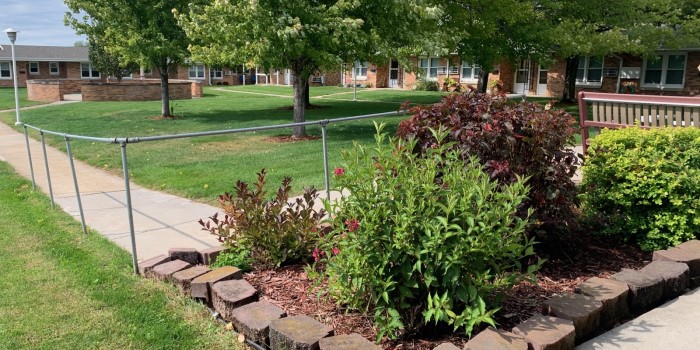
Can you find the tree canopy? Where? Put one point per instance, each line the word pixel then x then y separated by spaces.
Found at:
pixel 136 31
pixel 303 36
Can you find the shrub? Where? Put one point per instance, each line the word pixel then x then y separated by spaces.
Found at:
pixel 427 85
pixel 273 231
pixel 240 258
pixel 645 184
pixel 510 139
pixel 422 239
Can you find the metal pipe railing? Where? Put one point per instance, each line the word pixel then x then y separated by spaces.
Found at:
pixel 48 172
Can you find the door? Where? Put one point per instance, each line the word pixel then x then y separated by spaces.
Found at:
pixel 393 74
pixel 522 75
pixel 542 80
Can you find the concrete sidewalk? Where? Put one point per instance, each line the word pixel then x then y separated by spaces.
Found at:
pixel 161 221
pixel 673 326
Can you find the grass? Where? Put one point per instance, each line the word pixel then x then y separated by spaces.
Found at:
pixel 7 98
pixel 61 289
pixel 204 167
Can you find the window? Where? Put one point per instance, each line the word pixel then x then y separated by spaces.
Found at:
pixel 470 72
pixel 53 68
pixel 34 68
pixel 590 71
pixel 197 71
pixel 216 73
pixel 5 72
pixel 360 70
pixel 87 71
pixel 429 66
pixel 668 70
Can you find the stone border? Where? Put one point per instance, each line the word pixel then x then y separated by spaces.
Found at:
pixel 571 318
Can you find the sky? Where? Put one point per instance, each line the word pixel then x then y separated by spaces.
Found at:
pixel 39 22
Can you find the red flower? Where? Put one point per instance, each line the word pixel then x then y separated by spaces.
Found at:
pixel 352 225
pixel 336 251
pixel 316 254
pixel 339 171
pixel 487 127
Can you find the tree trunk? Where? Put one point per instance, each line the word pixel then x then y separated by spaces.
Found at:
pixel 570 79
pixel 307 97
pixel 164 91
pixel 483 82
pixel 300 91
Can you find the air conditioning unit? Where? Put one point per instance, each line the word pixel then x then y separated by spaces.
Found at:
pixel 454 70
pixel 442 70
pixel 228 72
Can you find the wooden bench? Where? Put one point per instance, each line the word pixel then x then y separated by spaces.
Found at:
pixel 615 111
pixel 316 79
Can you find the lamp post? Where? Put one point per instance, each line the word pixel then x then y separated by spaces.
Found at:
pixel 12 34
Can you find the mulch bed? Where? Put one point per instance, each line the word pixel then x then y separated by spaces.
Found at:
pixel 289 288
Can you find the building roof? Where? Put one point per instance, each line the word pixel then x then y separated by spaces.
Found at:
pixel 46 53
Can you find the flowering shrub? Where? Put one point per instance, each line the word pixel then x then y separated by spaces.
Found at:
pixel 645 185
pixel 422 239
pixel 511 140
pixel 272 232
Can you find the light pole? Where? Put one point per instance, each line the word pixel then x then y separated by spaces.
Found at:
pixel 12 34
pixel 354 83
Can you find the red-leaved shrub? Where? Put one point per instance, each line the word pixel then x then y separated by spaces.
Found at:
pixel 510 139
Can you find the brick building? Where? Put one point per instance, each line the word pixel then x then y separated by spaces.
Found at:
pixel 671 73
pixel 45 62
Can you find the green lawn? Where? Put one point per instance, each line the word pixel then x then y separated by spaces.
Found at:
pixel 204 167
pixel 7 98
pixel 61 289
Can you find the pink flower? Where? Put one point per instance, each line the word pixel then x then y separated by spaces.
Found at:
pixel 336 251
pixel 316 254
pixel 352 225
pixel 339 171
pixel 487 127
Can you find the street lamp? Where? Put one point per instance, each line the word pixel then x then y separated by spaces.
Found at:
pixel 12 34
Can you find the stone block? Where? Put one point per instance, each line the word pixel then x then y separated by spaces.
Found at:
pixel 687 255
pixel 694 282
pixel 446 346
pixel 201 286
pixel 208 256
pixel 547 333
pixel 146 266
pixel 583 311
pixel 190 255
pixel 352 341
pixel 183 279
pixel 490 339
pixel 691 245
pixel 253 320
pixel 646 291
pixel 614 296
pixel 674 274
pixel 297 333
pixel 231 294
pixel 164 272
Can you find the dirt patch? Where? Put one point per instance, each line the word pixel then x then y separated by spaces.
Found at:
pixel 290 289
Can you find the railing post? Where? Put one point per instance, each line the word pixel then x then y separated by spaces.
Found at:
pixel 29 156
pixel 129 209
pixel 324 138
pixel 75 184
pixel 48 173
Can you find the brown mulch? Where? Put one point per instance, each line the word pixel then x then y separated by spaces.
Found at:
pixel 289 288
pixel 288 138
pixel 308 108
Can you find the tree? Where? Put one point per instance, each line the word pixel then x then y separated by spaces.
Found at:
pixel 107 63
pixel 304 35
pixel 135 31
pixel 80 43
pixel 485 32
pixel 602 27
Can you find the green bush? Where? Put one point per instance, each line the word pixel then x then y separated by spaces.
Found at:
pixel 422 239
pixel 645 184
pixel 272 231
pixel 427 85
pixel 239 258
